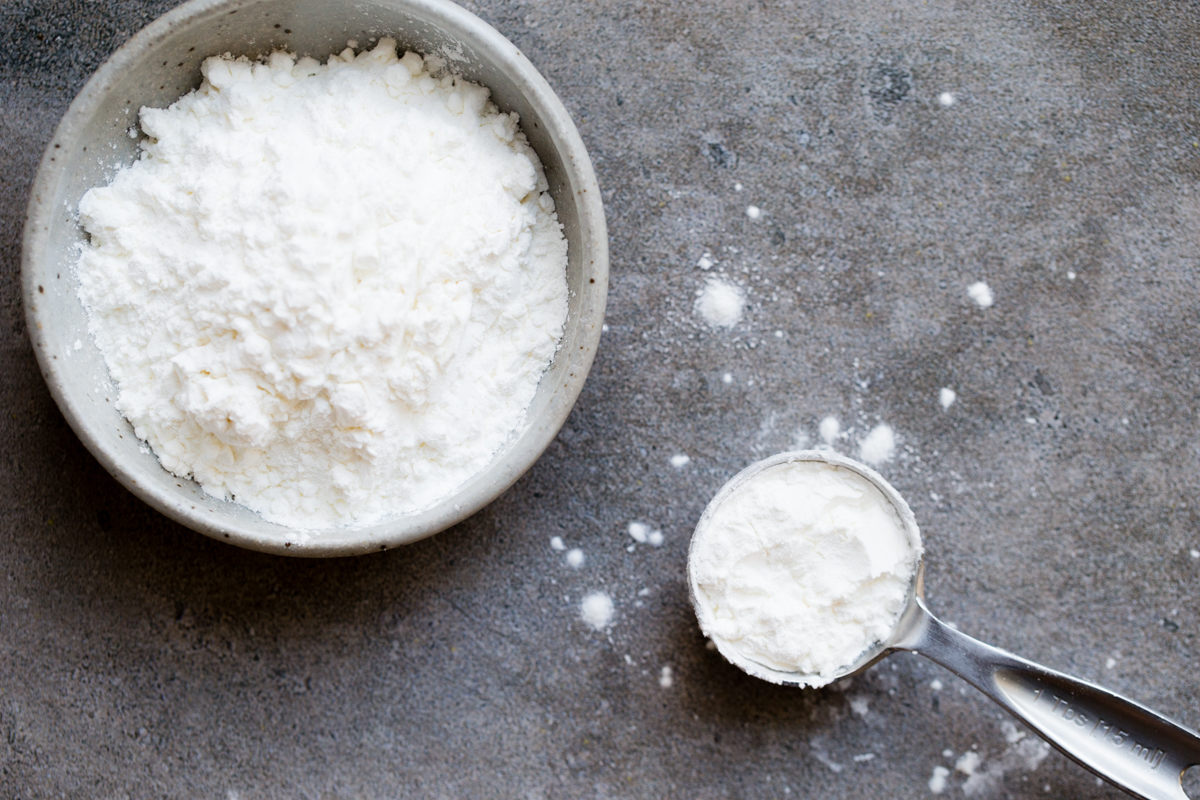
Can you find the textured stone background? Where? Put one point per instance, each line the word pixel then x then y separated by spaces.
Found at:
pixel 1057 497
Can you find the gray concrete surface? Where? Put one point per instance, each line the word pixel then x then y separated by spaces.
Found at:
pixel 1058 496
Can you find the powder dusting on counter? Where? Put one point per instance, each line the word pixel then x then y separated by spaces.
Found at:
pixel 981 293
pixel 720 303
pixel 879 446
pixel 597 610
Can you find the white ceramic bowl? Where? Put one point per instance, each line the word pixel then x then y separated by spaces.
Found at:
pixel 161 63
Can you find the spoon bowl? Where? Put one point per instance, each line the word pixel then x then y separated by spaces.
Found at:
pixel 1114 737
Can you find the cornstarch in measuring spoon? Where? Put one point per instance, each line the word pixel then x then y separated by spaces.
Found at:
pixel 802 568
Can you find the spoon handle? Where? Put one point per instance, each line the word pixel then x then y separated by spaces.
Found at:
pixel 1123 742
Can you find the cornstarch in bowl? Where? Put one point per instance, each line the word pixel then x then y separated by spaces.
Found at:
pixel 326 291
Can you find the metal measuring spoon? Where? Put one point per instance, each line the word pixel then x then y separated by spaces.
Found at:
pixel 1119 740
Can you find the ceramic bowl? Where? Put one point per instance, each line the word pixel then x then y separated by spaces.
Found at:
pixel 161 63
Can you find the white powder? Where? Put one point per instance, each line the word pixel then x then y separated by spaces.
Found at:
pixel 802 568
pixel 575 558
pixel 706 261
pixel 947 397
pixel 680 460
pixel 946 99
pixel 327 291
pixel 937 781
pixel 1022 752
pixel 640 532
pixel 829 430
pixel 597 610
pixel 753 212
pixel 879 446
pixel 720 303
pixel 981 294
pixel 967 763
pixel 665 679
pixel 556 543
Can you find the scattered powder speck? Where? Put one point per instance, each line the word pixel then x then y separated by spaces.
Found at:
pixel 1022 753
pixel 981 294
pixel 879 446
pixel 861 757
pixel 1109 663
pixel 680 460
pixel 947 753
pixel 639 532
pixel 655 538
pixel 829 429
pixel 778 334
pixel 945 99
pixel 706 261
pixel 967 763
pixel 78 344
pixel 727 378
pixel 737 187
pixel 753 212
pixel 556 543
pixel 665 680
pixel 936 685
pixel 817 749
pixel 575 558
pixel 604 329
pixel 597 610
pixel 860 705
pixel 937 783
pixel 1194 553
pixel 720 303
pixel 1070 275
pixel 946 397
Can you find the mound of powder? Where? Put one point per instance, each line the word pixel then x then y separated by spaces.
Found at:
pixel 802 568
pixel 327 291
pixel 720 303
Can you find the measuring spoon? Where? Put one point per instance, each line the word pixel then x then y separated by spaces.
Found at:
pixel 1119 740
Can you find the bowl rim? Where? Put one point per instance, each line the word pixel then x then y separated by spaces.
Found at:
pixel 503 471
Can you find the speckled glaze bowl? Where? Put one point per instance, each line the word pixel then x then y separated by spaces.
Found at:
pixel 161 63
